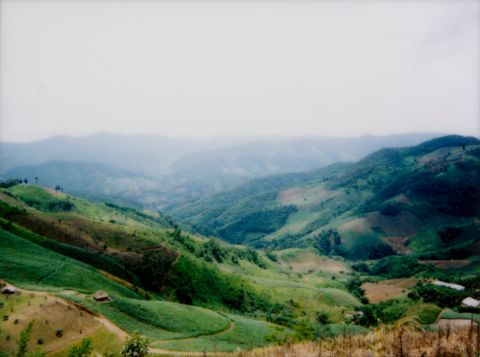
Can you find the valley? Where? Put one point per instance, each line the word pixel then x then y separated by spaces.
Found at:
pixel 344 250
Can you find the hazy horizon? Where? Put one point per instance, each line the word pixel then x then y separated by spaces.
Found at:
pixel 241 138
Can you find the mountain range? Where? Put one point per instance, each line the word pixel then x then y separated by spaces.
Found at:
pixel 159 172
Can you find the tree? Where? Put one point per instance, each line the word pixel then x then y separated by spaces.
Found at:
pixel 22 345
pixel 136 346
pixel 155 265
pixel 324 245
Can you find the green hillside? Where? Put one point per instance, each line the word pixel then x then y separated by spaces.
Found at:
pixel 172 285
pixel 32 267
pixel 141 247
pixel 422 199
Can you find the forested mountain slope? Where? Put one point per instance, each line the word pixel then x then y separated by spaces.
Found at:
pixel 422 198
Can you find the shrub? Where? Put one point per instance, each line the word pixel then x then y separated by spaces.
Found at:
pixel 440 295
pixel 399 267
pixel 323 318
pixel 136 346
pixel 83 349
pixel 354 285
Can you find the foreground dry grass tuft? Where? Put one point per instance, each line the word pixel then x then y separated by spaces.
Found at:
pixel 401 340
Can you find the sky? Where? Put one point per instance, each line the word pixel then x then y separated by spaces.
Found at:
pixel 238 68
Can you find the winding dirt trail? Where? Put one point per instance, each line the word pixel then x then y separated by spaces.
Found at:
pixel 123 335
pixel 232 325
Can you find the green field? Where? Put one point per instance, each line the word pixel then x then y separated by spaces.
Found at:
pixel 450 314
pixel 244 334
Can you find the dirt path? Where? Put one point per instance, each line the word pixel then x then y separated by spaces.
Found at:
pixel 192 353
pixel 232 325
pixel 123 335
pixel 110 326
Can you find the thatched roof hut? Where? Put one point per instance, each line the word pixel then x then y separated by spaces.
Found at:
pixel 9 290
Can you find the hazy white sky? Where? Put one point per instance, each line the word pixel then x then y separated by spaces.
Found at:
pixel 210 68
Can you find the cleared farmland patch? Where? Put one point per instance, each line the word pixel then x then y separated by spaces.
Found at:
pixel 387 289
pixel 57 324
pixel 306 261
pixel 304 197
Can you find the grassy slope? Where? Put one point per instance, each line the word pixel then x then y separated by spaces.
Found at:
pixel 310 293
pixel 103 231
pixel 28 265
pixel 277 280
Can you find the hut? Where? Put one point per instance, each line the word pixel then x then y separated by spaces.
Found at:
pixel 8 290
pixel 101 296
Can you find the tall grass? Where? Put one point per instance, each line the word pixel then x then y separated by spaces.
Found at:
pixel 394 341
pixel 403 339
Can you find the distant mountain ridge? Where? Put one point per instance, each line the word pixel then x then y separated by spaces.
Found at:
pixel 161 172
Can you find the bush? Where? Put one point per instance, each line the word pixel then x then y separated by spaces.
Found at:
pixel 440 295
pixel 83 349
pixel 10 183
pixel 427 313
pixel 323 318
pixel 354 285
pixel 136 346
pixel 379 250
pixel 385 312
pixel 399 267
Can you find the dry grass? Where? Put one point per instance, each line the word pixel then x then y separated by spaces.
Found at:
pixel 305 262
pixel 49 315
pixel 304 197
pixel 401 340
pixel 398 244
